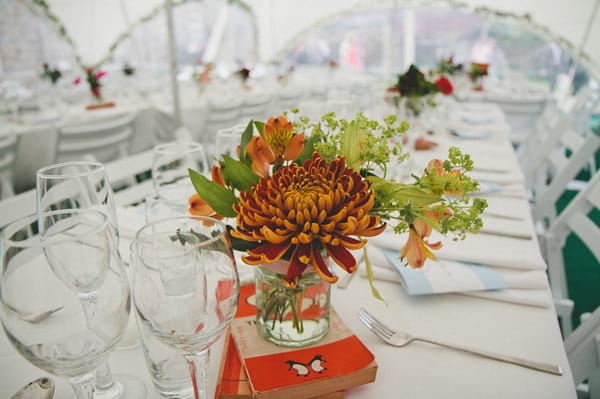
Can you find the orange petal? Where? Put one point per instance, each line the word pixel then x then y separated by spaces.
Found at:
pixel 215 175
pixel 294 147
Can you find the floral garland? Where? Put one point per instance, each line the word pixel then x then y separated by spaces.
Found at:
pixel 62 31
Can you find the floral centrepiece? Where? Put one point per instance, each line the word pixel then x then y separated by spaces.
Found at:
pixel 417 91
pixel 53 74
pixel 93 78
pixel 476 74
pixel 447 66
pixel 310 193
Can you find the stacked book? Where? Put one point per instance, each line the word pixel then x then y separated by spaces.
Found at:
pixel 252 367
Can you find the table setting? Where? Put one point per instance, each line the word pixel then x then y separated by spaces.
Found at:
pixel 487 293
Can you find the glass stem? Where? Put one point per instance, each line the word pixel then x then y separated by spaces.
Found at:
pixel 89 303
pixel 198 364
pixel 105 382
pixel 83 386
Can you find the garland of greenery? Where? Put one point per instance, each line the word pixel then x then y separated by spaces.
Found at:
pixel 62 31
pixel 577 53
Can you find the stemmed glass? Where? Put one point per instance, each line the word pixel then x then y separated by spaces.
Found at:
pixel 52 276
pixel 186 289
pixel 85 185
pixel 170 164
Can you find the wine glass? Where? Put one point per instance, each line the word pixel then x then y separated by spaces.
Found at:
pixel 76 184
pixel 170 164
pixel 85 185
pixel 45 275
pixel 227 140
pixel 186 289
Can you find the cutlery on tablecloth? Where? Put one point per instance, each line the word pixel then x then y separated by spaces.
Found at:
pixel 42 388
pixel 401 338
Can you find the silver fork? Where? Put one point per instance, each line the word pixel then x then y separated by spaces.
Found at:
pixel 401 338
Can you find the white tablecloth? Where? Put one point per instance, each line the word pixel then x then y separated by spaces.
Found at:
pixel 418 370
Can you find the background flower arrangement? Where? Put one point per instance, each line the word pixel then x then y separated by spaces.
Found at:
pixel 447 66
pixel 53 74
pixel 93 76
pixel 307 191
pixel 417 91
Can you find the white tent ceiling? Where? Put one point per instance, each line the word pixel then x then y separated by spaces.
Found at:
pixel 94 25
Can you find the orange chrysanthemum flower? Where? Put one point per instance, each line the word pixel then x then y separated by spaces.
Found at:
pixel 417 250
pixel 310 209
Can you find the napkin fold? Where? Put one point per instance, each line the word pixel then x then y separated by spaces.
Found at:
pixel 486 249
pixel 522 287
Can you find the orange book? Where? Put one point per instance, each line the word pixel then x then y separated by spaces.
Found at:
pixel 322 370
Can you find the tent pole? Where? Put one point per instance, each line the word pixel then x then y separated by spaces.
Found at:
pixel 172 60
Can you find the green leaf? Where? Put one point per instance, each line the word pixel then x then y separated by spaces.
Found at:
pixel 246 137
pixel 371 277
pixel 307 152
pixel 260 126
pixel 220 199
pixel 238 174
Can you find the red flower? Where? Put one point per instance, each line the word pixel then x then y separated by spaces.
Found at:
pixel 76 81
pixel 444 85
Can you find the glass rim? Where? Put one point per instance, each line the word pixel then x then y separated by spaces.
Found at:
pixel 182 147
pixel 141 233
pixel 44 171
pixel 24 221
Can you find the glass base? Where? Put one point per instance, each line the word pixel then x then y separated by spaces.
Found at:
pixel 284 333
pixel 125 387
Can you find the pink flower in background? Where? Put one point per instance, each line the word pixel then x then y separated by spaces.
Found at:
pixel 76 81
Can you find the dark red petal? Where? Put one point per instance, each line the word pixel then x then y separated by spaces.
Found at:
pixel 321 267
pixel 342 257
pixel 270 251
pixel 296 267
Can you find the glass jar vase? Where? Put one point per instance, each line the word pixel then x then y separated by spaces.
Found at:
pixel 292 317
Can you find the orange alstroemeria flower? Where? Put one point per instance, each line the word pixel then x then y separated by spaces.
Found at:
pixel 279 135
pixel 199 207
pixel 261 155
pixel 310 209
pixel 437 166
pixel 417 250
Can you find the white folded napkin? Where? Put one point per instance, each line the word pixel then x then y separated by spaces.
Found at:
pixel 525 287
pixel 537 298
pixel 507 227
pixel 491 188
pixel 486 249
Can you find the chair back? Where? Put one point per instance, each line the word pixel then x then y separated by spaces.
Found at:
pixel 583 352
pixel 255 106
pixel 8 146
pixel 104 140
pixel 574 219
pixel 219 115
pixel 563 156
pixel 126 177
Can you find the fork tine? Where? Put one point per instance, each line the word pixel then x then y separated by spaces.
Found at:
pixel 371 328
pixel 375 324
